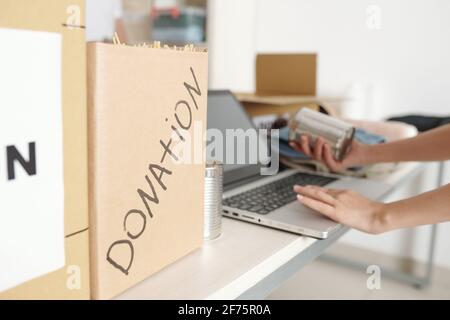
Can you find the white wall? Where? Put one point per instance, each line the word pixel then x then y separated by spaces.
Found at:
pixel 232 43
pixel 403 67
pixel 100 16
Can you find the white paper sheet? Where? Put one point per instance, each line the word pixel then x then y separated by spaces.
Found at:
pixel 31 206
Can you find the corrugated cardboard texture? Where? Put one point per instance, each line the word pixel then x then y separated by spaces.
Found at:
pixel 133 98
pixel 53 16
pixel 286 74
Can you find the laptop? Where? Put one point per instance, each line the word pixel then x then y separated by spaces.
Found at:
pixel 270 200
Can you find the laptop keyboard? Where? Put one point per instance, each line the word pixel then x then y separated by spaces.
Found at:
pixel 274 195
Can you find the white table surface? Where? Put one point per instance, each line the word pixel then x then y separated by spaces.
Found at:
pixel 247 261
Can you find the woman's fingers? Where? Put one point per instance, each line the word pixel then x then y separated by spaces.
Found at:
pixel 295 145
pixel 318 148
pixel 329 158
pixel 321 151
pixel 331 191
pixel 319 194
pixel 304 143
pixel 304 146
pixel 317 205
pixel 335 192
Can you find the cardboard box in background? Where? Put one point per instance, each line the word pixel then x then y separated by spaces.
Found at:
pixel 146 210
pixel 286 74
pixel 284 84
pixel 65 17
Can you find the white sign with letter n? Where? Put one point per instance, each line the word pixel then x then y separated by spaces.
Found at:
pixel 31 156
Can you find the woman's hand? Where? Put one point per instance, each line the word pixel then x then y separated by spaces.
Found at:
pixel 344 206
pixel 322 152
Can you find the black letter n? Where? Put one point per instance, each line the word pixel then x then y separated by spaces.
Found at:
pixel 190 88
pixel 12 154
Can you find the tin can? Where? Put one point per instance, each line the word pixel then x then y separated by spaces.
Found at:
pixel 212 226
pixel 337 133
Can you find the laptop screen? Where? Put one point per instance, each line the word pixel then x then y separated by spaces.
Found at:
pixel 225 112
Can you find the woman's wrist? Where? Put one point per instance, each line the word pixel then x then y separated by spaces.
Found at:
pixel 373 153
pixel 365 154
pixel 384 215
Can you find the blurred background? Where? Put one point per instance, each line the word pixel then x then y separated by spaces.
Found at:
pixel 174 22
pixel 385 58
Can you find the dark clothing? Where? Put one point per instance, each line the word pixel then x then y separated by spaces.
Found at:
pixel 423 123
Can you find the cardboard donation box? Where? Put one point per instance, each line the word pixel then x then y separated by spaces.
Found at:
pixel 284 84
pixel 147 110
pixel 44 245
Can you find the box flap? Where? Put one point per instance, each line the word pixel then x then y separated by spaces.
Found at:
pixel 284 99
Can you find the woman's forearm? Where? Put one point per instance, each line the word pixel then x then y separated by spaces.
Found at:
pixel 428 208
pixel 433 145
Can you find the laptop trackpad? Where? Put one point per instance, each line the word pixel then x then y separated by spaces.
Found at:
pixel 297 214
